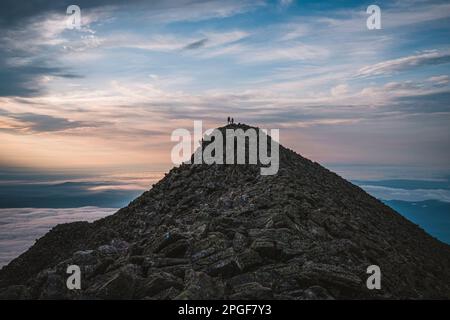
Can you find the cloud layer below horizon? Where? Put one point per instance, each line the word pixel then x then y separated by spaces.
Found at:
pixel 20 227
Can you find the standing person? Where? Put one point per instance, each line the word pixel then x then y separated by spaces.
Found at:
pixel 232 120
pixel 228 121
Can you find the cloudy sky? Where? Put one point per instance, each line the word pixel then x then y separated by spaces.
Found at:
pixel 106 97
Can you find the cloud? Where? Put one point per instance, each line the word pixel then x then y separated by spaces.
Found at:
pixel 387 193
pixel 28 80
pixel 442 183
pixel 165 12
pixel 13 12
pixel 67 194
pixel 432 102
pixel 285 3
pixel 30 54
pixel 405 13
pixel 295 30
pixel 36 44
pixel 19 228
pixel 21 187
pixel 196 44
pixel 432 57
pixel 394 16
pixel 158 43
pixel 439 80
pixel 216 38
pixel 339 90
pixel 271 53
pixel 38 123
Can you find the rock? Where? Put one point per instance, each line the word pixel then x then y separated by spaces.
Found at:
pixel 158 282
pixel 240 242
pixel 175 250
pixel 167 294
pixel 225 268
pixel 54 287
pixel 166 239
pixel 203 253
pixel 85 257
pixel 136 250
pixel 120 245
pixel 316 293
pixel 280 220
pixel 159 262
pixel 330 274
pixel 266 248
pixel 18 292
pixel 249 259
pixel 102 266
pixel 224 263
pixel 107 250
pixel 200 286
pixel 120 285
pixel 252 290
pixel 138 260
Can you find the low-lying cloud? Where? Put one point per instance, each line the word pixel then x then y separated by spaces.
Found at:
pixel 21 227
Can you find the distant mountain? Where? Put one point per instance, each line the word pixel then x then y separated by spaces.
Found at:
pixel 62 195
pixel 227 232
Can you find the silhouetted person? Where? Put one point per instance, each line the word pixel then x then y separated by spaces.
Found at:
pixel 232 120
pixel 228 121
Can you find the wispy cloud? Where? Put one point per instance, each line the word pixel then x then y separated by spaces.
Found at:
pixel 439 80
pixel 14 12
pixel 387 193
pixel 196 44
pixel 38 123
pixel 432 57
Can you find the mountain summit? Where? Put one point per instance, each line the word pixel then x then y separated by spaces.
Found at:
pixel 228 232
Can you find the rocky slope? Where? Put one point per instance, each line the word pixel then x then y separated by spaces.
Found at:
pixel 226 232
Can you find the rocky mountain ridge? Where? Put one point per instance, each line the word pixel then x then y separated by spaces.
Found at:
pixel 227 232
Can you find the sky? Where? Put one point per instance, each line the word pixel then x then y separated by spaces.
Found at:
pixel 104 99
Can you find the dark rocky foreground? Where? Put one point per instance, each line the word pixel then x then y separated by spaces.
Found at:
pixel 226 232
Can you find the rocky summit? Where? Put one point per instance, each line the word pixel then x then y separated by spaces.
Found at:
pixel 228 232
